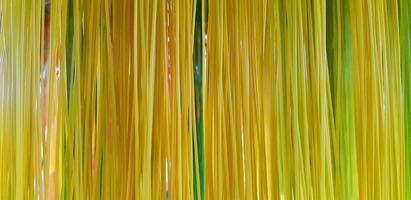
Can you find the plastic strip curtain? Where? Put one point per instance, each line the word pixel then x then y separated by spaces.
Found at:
pixel 205 99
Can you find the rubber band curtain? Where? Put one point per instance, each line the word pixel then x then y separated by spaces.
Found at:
pixel 205 99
